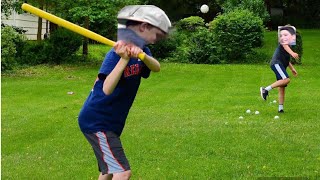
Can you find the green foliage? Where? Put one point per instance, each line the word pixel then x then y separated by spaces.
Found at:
pixel 275 21
pixel 257 7
pixel 34 53
pixel 237 33
pixel 9 6
pixel 303 14
pixel 204 49
pixel 102 14
pixel 164 48
pixel 190 24
pixel 62 45
pixel 298 48
pixel 231 38
pixel 11 46
pixel 182 52
pixel 194 42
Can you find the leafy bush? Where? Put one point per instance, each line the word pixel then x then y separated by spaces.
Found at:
pixel 177 46
pixel 11 45
pixel 190 24
pixel 186 30
pixel 204 48
pixel 237 33
pixel 182 52
pixel 297 48
pixel 164 48
pixel 34 53
pixel 257 7
pixel 195 43
pixel 62 45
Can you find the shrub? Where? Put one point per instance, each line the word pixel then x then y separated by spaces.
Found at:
pixel 297 48
pixel 11 45
pixel 181 53
pixel 203 48
pixel 177 46
pixel 190 42
pixel 190 24
pixel 257 7
pixel 62 45
pixel 237 33
pixel 34 53
pixel 164 48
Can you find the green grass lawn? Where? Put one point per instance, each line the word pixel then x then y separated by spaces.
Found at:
pixel 184 123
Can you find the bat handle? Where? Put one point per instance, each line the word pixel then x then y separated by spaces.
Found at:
pixel 142 56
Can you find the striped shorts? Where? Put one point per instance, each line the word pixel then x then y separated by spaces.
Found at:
pixel 108 150
pixel 280 71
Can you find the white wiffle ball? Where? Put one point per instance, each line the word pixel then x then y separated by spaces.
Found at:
pixel 204 8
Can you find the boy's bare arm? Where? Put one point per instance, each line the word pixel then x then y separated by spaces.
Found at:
pixel 289 50
pixel 151 63
pixel 113 78
pixel 294 71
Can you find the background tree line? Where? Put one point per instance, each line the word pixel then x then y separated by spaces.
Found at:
pixel 99 15
pixel 206 32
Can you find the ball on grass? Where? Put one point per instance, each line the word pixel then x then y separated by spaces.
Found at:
pixel 276 117
pixel 248 111
pixel 257 112
pixel 204 8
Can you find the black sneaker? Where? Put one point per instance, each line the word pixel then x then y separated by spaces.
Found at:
pixel 281 111
pixel 264 93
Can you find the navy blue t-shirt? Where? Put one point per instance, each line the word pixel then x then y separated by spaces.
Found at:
pixel 102 112
pixel 280 56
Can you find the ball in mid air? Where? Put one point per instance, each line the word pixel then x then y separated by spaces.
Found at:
pixel 204 8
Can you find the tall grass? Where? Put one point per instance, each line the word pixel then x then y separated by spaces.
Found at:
pixel 184 123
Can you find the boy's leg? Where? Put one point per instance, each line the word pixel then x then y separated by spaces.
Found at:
pixel 281 98
pixel 105 176
pixel 280 83
pixel 121 176
pixel 282 80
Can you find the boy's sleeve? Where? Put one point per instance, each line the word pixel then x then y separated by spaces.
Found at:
pixel 145 73
pixel 110 61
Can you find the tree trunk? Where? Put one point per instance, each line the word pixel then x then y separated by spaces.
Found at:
pixel 85 41
pixel 268 5
pixel 39 33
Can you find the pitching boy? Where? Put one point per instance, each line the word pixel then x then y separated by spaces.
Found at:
pixel 280 61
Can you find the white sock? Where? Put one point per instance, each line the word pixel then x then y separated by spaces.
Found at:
pixel 268 88
pixel 280 107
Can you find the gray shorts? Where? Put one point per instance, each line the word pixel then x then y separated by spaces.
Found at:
pixel 109 152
